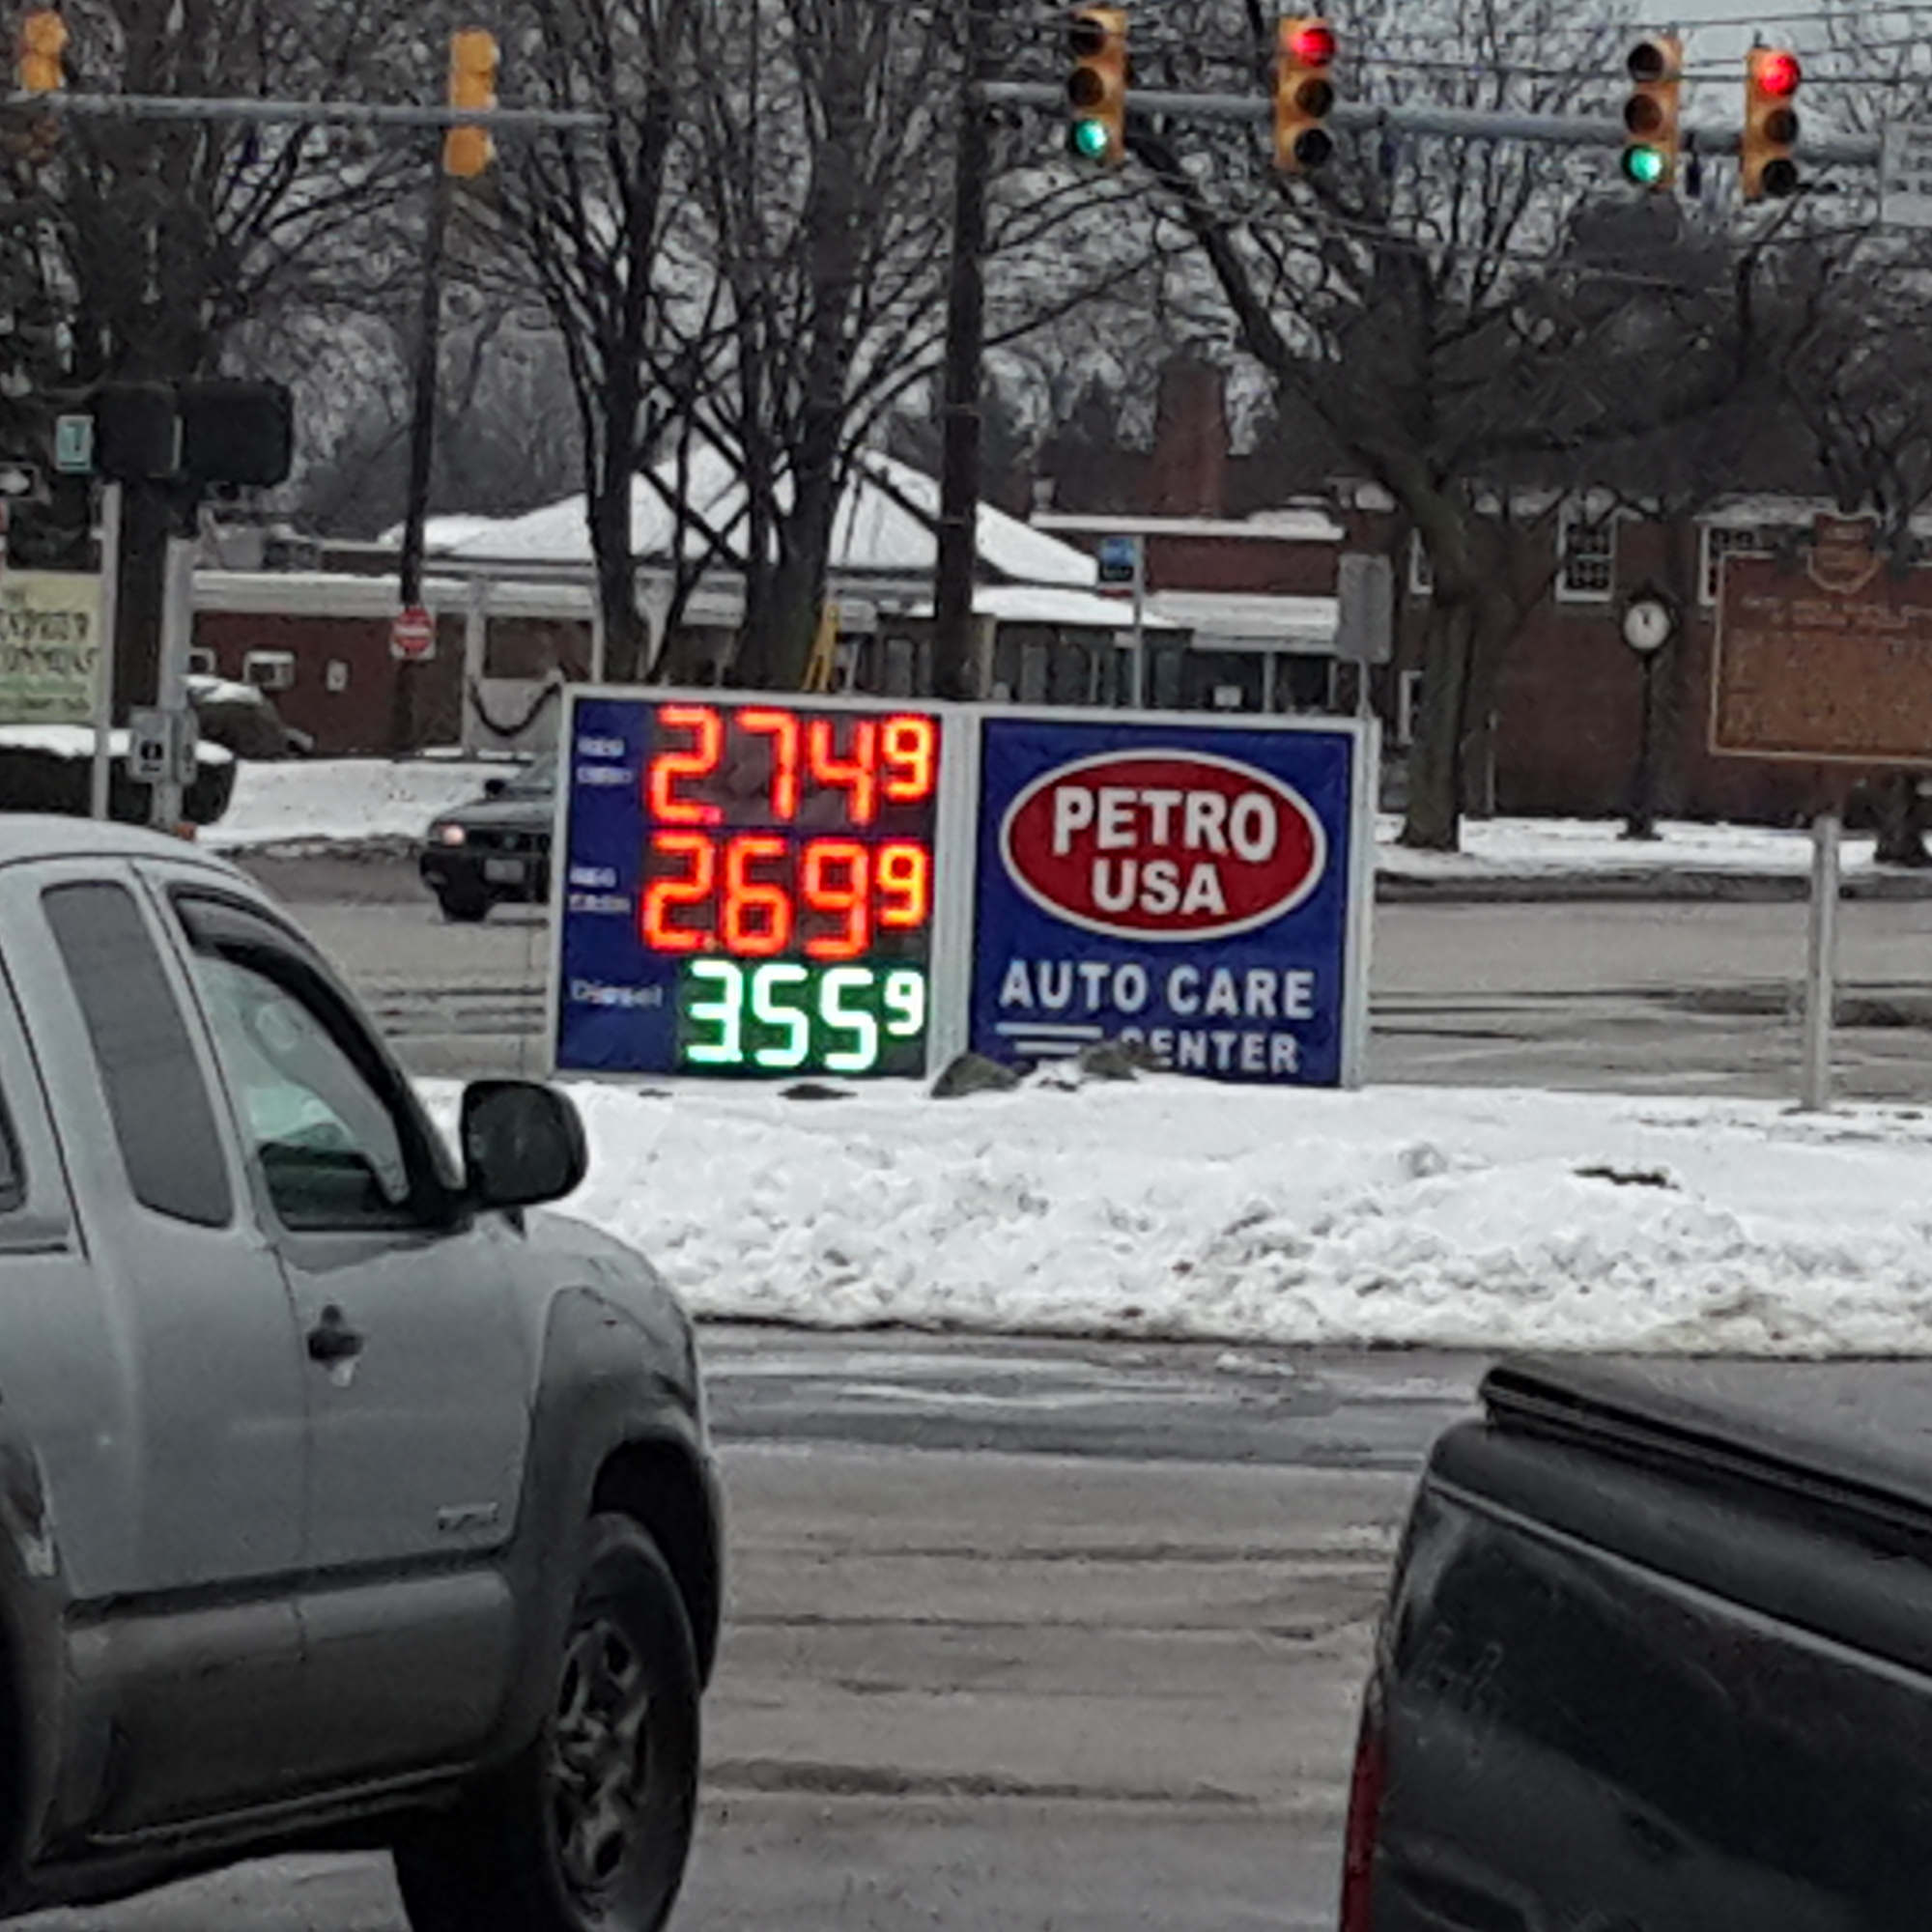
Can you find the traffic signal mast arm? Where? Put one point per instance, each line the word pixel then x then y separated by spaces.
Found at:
pixel 1552 130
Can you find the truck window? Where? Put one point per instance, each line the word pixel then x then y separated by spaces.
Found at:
pixel 12 1182
pixel 164 1118
pixel 332 1152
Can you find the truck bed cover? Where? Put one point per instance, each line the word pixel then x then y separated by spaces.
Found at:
pixel 1856 1433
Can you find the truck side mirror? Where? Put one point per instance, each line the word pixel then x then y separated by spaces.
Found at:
pixel 523 1145
pixel 495 787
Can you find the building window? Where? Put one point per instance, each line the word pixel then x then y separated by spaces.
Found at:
pixel 1421 572
pixel 1587 573
pixel 200 662
pixel 1719 544
pixel 336 678
pixel 269 670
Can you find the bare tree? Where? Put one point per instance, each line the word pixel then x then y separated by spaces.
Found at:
pixel 1454 315
pixel 589 221
pixel 818 172
pixel 161 242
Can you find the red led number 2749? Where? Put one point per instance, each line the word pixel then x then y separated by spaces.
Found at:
pixel 757 894
pixel 892 761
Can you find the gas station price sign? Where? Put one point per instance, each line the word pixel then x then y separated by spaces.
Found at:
pixel 747 888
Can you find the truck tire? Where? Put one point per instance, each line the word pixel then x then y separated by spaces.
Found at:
pixel 590 1829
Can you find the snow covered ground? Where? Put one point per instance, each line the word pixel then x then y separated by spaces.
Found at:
pixel 76 741
pixel 1518 847
pixel 1175 1210
pixel 347 801
pixel 342 801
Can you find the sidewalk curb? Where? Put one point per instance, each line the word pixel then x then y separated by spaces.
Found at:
pixel 1636 886
pixel 1659 885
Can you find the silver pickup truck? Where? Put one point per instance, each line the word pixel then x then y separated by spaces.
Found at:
pixel 345 1503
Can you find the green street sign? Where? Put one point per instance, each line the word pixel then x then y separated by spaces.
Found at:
pixel 73 445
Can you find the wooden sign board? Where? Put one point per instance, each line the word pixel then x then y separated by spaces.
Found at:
pixel 1825 658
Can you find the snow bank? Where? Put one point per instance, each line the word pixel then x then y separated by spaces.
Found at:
pixel 1513 848
pixel 1168 1208
pixel 342 801
pixel 76 741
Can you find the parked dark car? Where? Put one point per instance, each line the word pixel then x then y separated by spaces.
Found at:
pixel 495 851
pixel 1658 1659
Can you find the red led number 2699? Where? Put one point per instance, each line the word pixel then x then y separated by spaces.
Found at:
pixel 760 893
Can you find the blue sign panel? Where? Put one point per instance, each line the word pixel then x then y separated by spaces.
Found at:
pixel 1181 886
pixel 747 888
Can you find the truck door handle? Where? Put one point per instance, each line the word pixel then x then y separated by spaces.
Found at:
pixel 332 1340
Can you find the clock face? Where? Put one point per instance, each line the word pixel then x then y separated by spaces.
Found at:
pixel 1647 626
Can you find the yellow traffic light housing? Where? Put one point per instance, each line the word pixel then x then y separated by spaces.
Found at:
pixel 473 60
pixel 1652 114
pixel 1766 162
pixel 1097 91
pixel 1304 95
pixel 42 44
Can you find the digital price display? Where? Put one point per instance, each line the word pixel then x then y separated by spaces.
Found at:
pixel 749 889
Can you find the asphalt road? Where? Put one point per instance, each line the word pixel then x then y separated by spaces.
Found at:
pixel 1037 1636
pixel 1049 1637
pixel 1647 998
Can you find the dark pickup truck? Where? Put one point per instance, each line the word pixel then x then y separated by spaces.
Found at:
pixel 1658 1658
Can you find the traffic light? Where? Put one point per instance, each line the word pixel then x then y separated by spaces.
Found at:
pixel 1651 114
pixel 1767 165
pixel 1097 90
pixel 42 42
pixel 1304 95
pixel 473 58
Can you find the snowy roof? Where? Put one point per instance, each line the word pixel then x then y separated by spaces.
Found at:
pixel 1292 525
pixel 1744 513
pixel 438 532
pixel 1046 604
pixel 1233 620
pixel 887 523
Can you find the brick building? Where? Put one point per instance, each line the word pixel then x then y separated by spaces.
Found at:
pixel 1566 734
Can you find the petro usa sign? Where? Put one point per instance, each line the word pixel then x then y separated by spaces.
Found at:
pixel 1199 889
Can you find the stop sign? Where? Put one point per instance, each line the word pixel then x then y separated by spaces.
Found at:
pixel 413 636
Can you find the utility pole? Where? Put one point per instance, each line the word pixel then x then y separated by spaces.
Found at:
pixel 422 448
pixel 954 629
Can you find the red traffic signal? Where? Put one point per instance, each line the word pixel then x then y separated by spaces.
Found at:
pixel 1767 165
pixel 1311 43
pixel 1304 94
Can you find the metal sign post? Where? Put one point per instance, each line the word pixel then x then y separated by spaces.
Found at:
pixel 101 787
pixel 165 803
pixel 1821 978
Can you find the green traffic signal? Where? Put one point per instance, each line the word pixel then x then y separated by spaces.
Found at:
pixel 1091 140
pixel 1645 167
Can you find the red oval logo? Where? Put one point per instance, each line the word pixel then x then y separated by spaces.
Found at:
pixel 1163 846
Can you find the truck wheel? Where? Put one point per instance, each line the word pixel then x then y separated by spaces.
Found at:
pixel 464 907
pixel 591 1830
